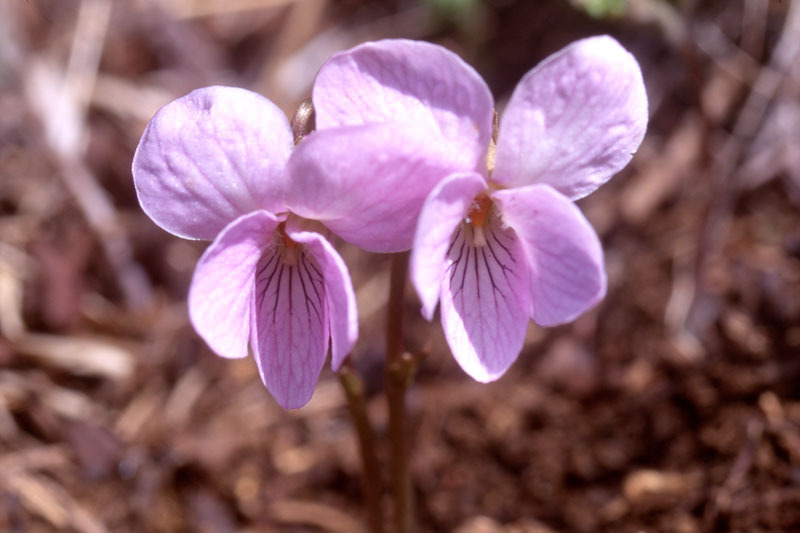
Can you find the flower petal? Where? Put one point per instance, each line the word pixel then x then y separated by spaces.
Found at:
pixel 340 297
pixel 444 209
pixel 485 301
pixel 290 325
pixel 564 255
pixel 367 183
pixel 574 120
pixel 209 157
pixel 221 294
pixel 398 80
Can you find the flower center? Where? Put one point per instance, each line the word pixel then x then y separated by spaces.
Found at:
pixel 477 219
pixel 289 250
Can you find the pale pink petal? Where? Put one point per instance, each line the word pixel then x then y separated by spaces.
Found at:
pixel 221 294
pixel 485 300
pixel 564 255
pixel 290 328
pixel 574 120
pixel 339 295
pixel 444 210
pixel 210 157
pixel 367 183
pixel 408 81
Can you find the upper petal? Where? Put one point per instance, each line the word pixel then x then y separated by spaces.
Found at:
pixel 444 210
pixel 574 120
pixel 290 324
pixel 209 157
pixel 340 297
pixel 407 81
pixel 565 259
pixel 485 300
pixel 221 294
pixel 368 183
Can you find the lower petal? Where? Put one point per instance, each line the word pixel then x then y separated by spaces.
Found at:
pixel 221 294
pixel 485 301
pixel 340 297
pixel 443 211
pixel 563 252
pixel 290 324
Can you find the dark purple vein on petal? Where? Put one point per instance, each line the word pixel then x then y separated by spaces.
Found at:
pixel 477 274
pixel 291 293
pixel 464 274
pixel 267 264
pixel 454 263
pixel 311 263
pixel 495 288
pixel 308 300
pixel 277 294
pixel 508 252
pixel 455 238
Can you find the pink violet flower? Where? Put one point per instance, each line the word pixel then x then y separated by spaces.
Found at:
pixel 499 240
pixel 213 165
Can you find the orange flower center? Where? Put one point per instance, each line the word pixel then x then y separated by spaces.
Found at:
pixel 477 218
pixel 289 246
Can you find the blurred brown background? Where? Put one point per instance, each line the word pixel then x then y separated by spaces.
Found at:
pixel 674 406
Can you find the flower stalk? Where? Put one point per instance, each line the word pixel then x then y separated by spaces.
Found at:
pixel 353 387
pixel 398 375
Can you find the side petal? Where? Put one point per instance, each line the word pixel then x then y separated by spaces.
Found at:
pixel 564 255
pixel 485 301
pixel 398 80
pixel 209 157
pixel 340 297
pixel 221 293
pixel 444 209
pixel 290 328
pixel 367 183
pixel 573 121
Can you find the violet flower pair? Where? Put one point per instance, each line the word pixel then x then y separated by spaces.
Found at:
pixel 403 157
